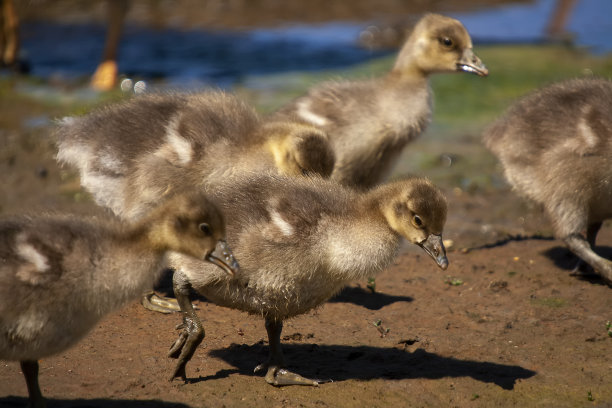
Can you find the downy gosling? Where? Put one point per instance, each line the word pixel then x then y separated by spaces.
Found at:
pixel 59 275
pixel 555 146
pixel 369 122
pixel 299 241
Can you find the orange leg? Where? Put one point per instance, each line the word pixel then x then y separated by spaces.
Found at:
pixel 10 33
pixel 105 76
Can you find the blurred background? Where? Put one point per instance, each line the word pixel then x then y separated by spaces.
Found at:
pixel 65 57
pixel 223 42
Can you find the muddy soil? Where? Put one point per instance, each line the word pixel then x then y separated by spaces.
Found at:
pixel 506 325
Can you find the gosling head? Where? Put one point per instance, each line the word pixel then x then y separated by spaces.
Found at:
pixel 439 44
pixel 302 150
pixel 417 212
pixel 193 225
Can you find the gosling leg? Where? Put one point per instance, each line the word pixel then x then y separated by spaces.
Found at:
pixel 276 374
pixel 30 372
pixel 582 268
pixel 579 246
pixel 193 332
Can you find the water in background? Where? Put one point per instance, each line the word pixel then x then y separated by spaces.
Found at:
pixel 223 58
pixel 217 57
pixel 590 23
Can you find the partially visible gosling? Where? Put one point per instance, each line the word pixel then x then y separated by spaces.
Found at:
pixel 60 275
pixel 369 122
pixel 131 153
pixel 555 146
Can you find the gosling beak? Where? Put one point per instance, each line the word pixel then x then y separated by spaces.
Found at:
pixel 435 248
pixel 223 257
pixel 470 63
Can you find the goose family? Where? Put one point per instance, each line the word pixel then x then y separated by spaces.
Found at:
pixel 555 146
pixel 59 275
pixel 299 241
pixel 369 122
pixel 302 238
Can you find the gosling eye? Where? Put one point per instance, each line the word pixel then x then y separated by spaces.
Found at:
pixel 205 228
pixel 447 42
pixel 418 222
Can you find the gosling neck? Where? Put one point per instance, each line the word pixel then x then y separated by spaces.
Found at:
pixel 362 243
pixel 147 234
pixel 373 205
pixel 406 67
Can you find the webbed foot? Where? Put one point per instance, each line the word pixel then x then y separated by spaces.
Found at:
pixel 185 346
pixel 156 303
pixel 278 376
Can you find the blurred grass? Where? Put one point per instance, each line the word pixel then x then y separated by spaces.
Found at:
pixel 460 99
pixel 23 97
pixel 514 71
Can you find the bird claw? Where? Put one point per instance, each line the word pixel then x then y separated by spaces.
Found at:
pixel 179 372
pixel 177 346
pixel 261 367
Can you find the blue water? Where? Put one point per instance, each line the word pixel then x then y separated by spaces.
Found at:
pixel 223 58
pixel 590 23
pixel 218 57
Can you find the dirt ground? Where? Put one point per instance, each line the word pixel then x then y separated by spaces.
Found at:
pixel 506 325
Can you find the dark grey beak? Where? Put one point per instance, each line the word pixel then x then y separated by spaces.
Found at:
pixel 470 63
pixel 223 257
pixel 435 248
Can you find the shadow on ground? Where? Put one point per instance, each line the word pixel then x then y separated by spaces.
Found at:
pixel 365 298
pixel 512 238
pixel 341 363
pixel 565 259
pixel 20 402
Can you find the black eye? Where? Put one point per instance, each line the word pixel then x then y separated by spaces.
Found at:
pixel 447 42
pixel 417 221
pixel 205 228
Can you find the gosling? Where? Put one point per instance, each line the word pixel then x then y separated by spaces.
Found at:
pixel 300 241
pixel 129 155
pixel 555 147
pixel 369 122
pixel 59 275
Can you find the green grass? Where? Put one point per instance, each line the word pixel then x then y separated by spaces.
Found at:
pixel 514 71
pixel 27 97
pixel 550 302
pixel 460 99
